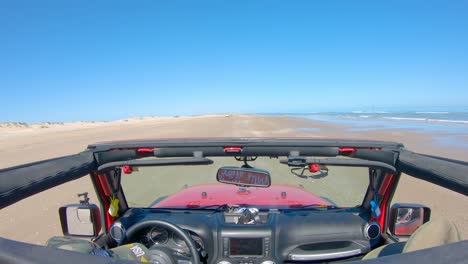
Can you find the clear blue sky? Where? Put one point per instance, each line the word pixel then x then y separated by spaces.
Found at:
pixel 82 60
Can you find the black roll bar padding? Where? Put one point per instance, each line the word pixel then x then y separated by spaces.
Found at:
pixel 246 151
pixel 19 182
pixel 344 162
pixel 451 174
pixel 156 162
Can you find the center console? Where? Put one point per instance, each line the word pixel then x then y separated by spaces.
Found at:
pixel 242 247
pixel 246 250
pixel 246 238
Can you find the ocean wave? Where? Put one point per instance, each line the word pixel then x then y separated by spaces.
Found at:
pixel 426 120
pixel 449 121
pixel 437 113
pixel 405 118
pixel 369 112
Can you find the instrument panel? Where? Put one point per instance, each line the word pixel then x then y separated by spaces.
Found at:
pixel 160 236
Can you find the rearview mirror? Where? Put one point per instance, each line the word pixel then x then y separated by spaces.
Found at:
pixel 80 219
pixel 406 218
pixel 244 176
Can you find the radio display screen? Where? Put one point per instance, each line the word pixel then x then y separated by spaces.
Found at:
pixel 246 246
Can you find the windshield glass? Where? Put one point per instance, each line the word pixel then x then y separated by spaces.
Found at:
pixel 195 186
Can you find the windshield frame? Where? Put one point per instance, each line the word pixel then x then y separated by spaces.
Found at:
pixel 128 150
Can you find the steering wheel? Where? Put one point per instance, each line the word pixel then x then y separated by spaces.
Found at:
pixel 134 229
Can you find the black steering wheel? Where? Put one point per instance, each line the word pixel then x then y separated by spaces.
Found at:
pixel 134 229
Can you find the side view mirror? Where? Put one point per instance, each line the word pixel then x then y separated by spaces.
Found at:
pixel 406 218
pixel 80 219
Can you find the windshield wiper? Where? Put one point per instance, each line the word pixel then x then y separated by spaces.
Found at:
pixel 214 207
pixel 221 207
pixel 319 207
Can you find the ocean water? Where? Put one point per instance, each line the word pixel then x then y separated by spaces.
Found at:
pixel 432 122
pixel 450 128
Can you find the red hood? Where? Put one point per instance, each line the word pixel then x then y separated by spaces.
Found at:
pixel 217 193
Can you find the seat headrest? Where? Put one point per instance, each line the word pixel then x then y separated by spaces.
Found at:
pixel 434 233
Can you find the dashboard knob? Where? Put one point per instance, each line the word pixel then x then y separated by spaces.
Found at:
pixel 224 262
pixel 268 262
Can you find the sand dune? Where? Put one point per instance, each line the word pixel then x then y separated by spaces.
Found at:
pixel 35 219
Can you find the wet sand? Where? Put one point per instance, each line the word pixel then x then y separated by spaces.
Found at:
pixel 35 219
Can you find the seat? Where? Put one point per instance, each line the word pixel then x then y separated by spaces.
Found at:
pixel 434 233
pixel 133 251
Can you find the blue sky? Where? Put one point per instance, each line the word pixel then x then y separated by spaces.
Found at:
pixel 82 60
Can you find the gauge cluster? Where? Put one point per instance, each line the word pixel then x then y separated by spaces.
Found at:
pixel 160 236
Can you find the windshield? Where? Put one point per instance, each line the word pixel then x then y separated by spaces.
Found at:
pixel 195 186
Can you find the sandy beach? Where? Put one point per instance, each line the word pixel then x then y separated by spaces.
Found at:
pixel 35 219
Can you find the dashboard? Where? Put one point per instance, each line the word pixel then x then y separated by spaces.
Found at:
pixel 252 236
